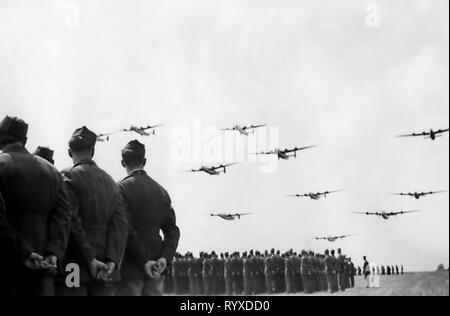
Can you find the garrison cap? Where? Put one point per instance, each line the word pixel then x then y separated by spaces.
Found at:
pixel 13 126
pixel 45 153
pixel 136 148
pixel 82 138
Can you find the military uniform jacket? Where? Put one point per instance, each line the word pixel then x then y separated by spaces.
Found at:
pixel 237 267
pixel 306 268
pixel 340 264
pixel 207 268
pixel 99 223
pixel 248 267
pixel 150 211
pixel 290 266
pixel 34 208
pixel 228 268
pixel 268 266
pixel 329 265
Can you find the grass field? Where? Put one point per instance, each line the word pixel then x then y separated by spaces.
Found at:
pixel 410 284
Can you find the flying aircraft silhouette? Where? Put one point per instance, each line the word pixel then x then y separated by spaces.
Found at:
pixel 143 131
pixel 230 217
pixel 315 196
pixel 285 154
pixel 244 130
pixel 104 137
pixel 428 135
pixel 419 195
pixel 213 171
pixel 386 215
pixel 333 238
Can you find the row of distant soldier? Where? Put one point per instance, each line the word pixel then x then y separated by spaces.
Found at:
pixel 255 273
pixel 385 270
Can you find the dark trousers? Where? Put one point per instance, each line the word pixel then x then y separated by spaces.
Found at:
pixel 147 287
pixel 207 284
pixel 330 281
pixel 352 281
pixel 307 283
pixel 228 285
pixel 238 284
pixel 270 286
pixel 342 281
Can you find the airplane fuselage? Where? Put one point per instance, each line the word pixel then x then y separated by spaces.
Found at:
pixel 432 135
pixel 211 172
pixel 241 130
pixel 283 156
pixel 139 131
pixel 227 217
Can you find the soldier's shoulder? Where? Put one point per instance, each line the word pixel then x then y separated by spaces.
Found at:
pixel 5 159
pixel 127 180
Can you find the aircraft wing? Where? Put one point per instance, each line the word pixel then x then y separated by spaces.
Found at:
pixel 266 153
pixel 224 166
pixel 415 134
pixel 287 151
pixel 255 126
pixel 434 192
pixel 330 192
pixel 105 134
pixel 152 127
pixel 442 131
pixel 408 212
pixel 367 213
pixel 243 214
pixel 298 195
pixel 401 213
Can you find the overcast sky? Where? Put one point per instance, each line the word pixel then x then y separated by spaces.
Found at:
pixel 314 71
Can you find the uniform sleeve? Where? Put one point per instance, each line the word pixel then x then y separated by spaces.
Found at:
pixel 59 223
pixel 171 234
pixel 10 238
pixel 117 233
pixel 77 232
pixel 135 248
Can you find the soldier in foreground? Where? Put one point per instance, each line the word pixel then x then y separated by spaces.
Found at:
pixel 99 224
pixel 34 216
pixel 150 212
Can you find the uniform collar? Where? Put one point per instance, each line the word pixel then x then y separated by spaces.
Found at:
pixel 14 148
pixel 137 172
pixel 84 162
